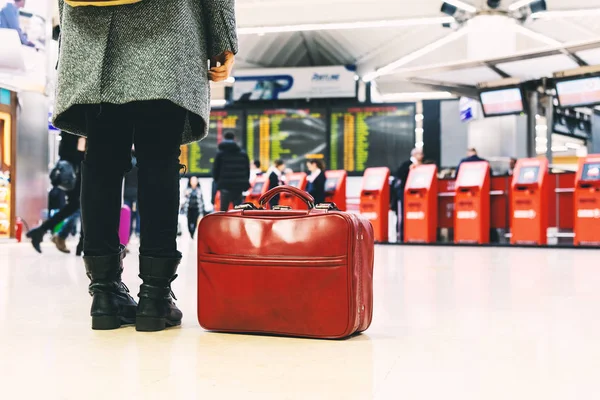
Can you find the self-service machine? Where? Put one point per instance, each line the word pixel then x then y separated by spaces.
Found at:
pixel 259 186
pixel 587 202
pixel 472 203
pixel 529 202
pixel 297 180
pixel 375 201
pixel 335 188
pixel 421 205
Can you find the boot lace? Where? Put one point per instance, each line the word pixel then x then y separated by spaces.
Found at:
pixel 171 290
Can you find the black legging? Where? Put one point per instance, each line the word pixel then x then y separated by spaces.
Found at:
pixel 155 127
pixel 192 216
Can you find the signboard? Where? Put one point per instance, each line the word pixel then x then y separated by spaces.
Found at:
pixel 199 156
pixel 374 136
pixel 292 135
pixel 294 83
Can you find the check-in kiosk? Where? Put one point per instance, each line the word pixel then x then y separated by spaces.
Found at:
pixel 421 205
pixel 259 186
pixel 335 188
pixel 587 202
pixel 375 201
pixel 297 180
pixel 529 202
pixel 472 203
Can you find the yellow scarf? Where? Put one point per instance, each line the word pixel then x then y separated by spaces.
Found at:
pixel 99 3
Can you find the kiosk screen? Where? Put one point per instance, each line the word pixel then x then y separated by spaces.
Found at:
pixel 374 183
pixel 528 175
pixel 470 177
pixel 331 184
pixel 258 187
pixel 295 183
pixel 591 172
pixel 418 180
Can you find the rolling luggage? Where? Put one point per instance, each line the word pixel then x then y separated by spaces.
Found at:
pixel 306 273
pixel 125 225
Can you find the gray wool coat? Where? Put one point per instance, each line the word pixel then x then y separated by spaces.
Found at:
pixel 153 50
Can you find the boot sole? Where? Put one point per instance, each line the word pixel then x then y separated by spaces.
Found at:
pixel 105 323
pixel 149 324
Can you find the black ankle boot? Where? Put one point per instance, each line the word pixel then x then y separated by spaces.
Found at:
pixel 157 310
pixel 37 237
pixel 112 305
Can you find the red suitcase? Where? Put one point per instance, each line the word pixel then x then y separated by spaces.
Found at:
pixel 302 273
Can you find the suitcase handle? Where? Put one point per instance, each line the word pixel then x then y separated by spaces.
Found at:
pixel 307 198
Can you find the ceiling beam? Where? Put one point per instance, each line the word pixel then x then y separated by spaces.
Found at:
pixel 415 55
pixel 549 41
pixel 529 55
pixel 351 25
pixel 460 90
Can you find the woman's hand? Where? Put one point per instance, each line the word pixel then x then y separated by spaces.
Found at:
pixel 221 66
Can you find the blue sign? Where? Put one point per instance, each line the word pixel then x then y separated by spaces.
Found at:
pixel 4 97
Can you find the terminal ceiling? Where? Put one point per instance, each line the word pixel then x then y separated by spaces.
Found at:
pixel 304 37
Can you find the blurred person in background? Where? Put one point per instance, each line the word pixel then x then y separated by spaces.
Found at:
pixel 399 183
pixel 9 19
pixel 231 172
pixel 130 195
pixel 71 149
pixel 471 157
pixel 316 180
pixel 194 204
pixel 138 74
pixel 275 174
pixel 255 170
pixel 512 164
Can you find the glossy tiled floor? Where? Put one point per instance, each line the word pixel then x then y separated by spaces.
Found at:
pixel 452 323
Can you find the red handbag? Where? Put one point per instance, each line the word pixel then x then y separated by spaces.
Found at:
pixel 302 273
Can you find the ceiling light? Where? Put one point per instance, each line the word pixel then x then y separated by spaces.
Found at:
pixel 519 4
pixel 538 6
pixel 411 96
pixel 218 103
pixel 394 23
pixel 494 3
pixel 566 13
pixel 453 5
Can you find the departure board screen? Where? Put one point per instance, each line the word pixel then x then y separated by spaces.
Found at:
pixel 293 135
pixel 199 156
pixel 373 136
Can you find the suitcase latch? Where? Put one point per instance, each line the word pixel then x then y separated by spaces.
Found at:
pixel 246 207
pixel 279 208
pixel 327 207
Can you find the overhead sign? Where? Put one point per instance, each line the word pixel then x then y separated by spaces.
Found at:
pixel 294 83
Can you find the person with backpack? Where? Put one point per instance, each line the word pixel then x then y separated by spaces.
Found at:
pixel 66 175
pixel 138 74
pixel 231 172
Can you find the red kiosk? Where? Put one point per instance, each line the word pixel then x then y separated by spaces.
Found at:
pixel 335 188
pixel 529 202
pixel 587 202
pixel 472 203
pixel 297 180
pixel 375 201
pixel 420 205
pixel 259 186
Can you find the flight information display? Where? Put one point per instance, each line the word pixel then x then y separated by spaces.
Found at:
pixel 199 156
pixel 292 135
pixel 373 136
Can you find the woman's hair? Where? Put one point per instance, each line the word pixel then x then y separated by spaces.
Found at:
pixel 278 163
pixel 318 162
